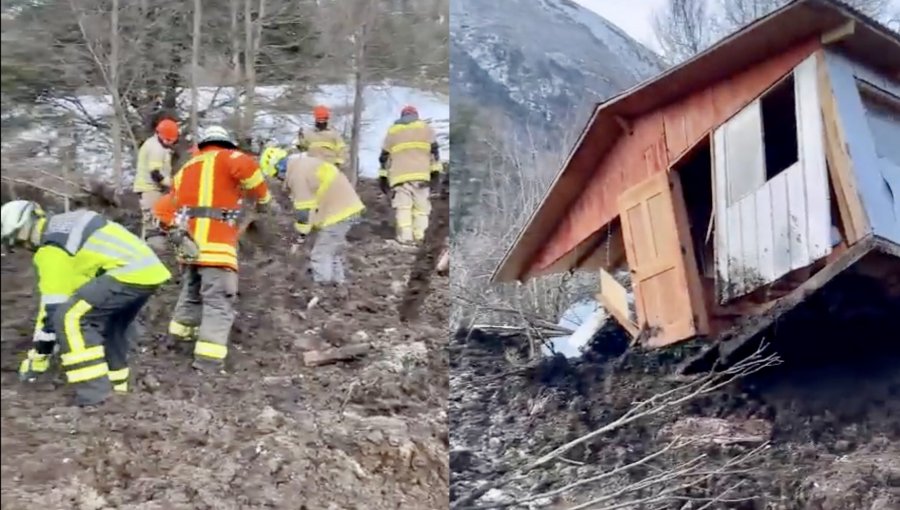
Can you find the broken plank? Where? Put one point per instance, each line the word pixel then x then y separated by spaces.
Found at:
pixel 745 331
pixel 324 357
pixel 840 33
pixel 840 164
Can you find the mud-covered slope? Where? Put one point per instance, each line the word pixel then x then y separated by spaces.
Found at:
pixel 833 408
pixel 272 433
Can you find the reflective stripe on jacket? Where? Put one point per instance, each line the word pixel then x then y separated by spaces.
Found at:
pixel 409 147
pixel 220 179
pixel 327 145
pixel 78 246
pixel 322 195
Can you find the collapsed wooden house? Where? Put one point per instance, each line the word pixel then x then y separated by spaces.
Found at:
pixel 735 184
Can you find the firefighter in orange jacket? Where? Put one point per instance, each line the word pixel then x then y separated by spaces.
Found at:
pixel 202 214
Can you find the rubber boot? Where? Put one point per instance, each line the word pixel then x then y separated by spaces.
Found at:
pixel 33 366
pixel 208 366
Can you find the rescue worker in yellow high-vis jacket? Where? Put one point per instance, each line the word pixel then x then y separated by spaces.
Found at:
pixel 152 178
pixel 324 200
pixel 94 276
pixel 410 168
pixel 326 143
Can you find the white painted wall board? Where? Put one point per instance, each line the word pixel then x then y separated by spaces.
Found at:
pixel 781 230
pixel 811 136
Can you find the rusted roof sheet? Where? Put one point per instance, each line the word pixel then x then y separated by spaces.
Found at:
pixel 870 43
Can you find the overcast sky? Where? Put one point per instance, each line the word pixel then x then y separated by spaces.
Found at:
pixel 635 19
pixel 635 16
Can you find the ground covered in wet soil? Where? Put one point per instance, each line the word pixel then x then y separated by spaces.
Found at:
pixel 831 412
pixel 270 433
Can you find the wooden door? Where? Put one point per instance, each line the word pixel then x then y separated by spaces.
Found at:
pixel 666 283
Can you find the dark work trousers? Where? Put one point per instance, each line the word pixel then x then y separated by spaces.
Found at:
pixel 95 329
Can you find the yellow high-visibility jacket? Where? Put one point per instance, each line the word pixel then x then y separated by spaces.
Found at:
pixel 408 147
pixel 78 246
pixel 325 144
pixel 322 195
pixel 152 156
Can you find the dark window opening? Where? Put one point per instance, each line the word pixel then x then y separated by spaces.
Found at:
pixel 779 124
pixel 695 171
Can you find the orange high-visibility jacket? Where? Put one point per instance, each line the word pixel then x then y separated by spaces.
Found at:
pixel 218 178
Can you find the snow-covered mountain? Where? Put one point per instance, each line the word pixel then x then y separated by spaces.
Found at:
pixel 541 62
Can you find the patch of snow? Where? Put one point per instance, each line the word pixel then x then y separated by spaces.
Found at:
pixel 584 318
pixel 382 105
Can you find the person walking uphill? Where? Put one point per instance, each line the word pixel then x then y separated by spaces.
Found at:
pixel 410 167
pixel 152 179
pixel 202 213
pixel 94 276
pixel 324 200
pixel 326 143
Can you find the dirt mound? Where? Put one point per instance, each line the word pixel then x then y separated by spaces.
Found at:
pixel 272 433
pixel 830 411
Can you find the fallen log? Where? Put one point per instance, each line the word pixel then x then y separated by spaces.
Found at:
pixel 326 356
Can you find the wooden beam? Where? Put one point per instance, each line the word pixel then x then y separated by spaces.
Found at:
pixel 747 329
pixel 624 124
pixel 840 164
pixel 753 324
pixel 840 33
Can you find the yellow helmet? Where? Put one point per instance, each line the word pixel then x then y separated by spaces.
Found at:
pixel 270 157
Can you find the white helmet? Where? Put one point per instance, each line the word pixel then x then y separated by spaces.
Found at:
pixel 17 218
pixel 216 134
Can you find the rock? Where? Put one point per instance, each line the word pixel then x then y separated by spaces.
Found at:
pixel 150 383
pixel 842 446
pixel 307 343
pixel 461 460
pixel 360 336
pixel 397 287
pixel 268 420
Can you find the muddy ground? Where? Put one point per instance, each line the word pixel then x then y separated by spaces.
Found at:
pixel 833 408
pixel 271 433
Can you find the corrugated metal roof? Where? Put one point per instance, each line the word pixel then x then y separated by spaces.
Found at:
pixel 870 43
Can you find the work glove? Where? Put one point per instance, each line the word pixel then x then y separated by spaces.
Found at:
pixel 384 185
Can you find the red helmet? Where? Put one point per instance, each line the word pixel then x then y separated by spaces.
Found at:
pixel 321 113
pixel 409 110
pixel 167 131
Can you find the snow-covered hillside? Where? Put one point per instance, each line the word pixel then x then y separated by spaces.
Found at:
pixel 382 107
pixel 542 62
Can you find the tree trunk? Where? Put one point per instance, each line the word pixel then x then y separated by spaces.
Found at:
pixel 235 36
pixel 359 75
pixel 114 92
pixel 246 126
pixel 195 68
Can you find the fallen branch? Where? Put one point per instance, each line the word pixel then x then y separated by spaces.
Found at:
pixel 37 187
pixel 654 405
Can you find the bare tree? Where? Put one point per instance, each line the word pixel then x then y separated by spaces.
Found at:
pixel 684 28
pixel 195 67
pixel 114 88
pixel 360 40
pixel 252 38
